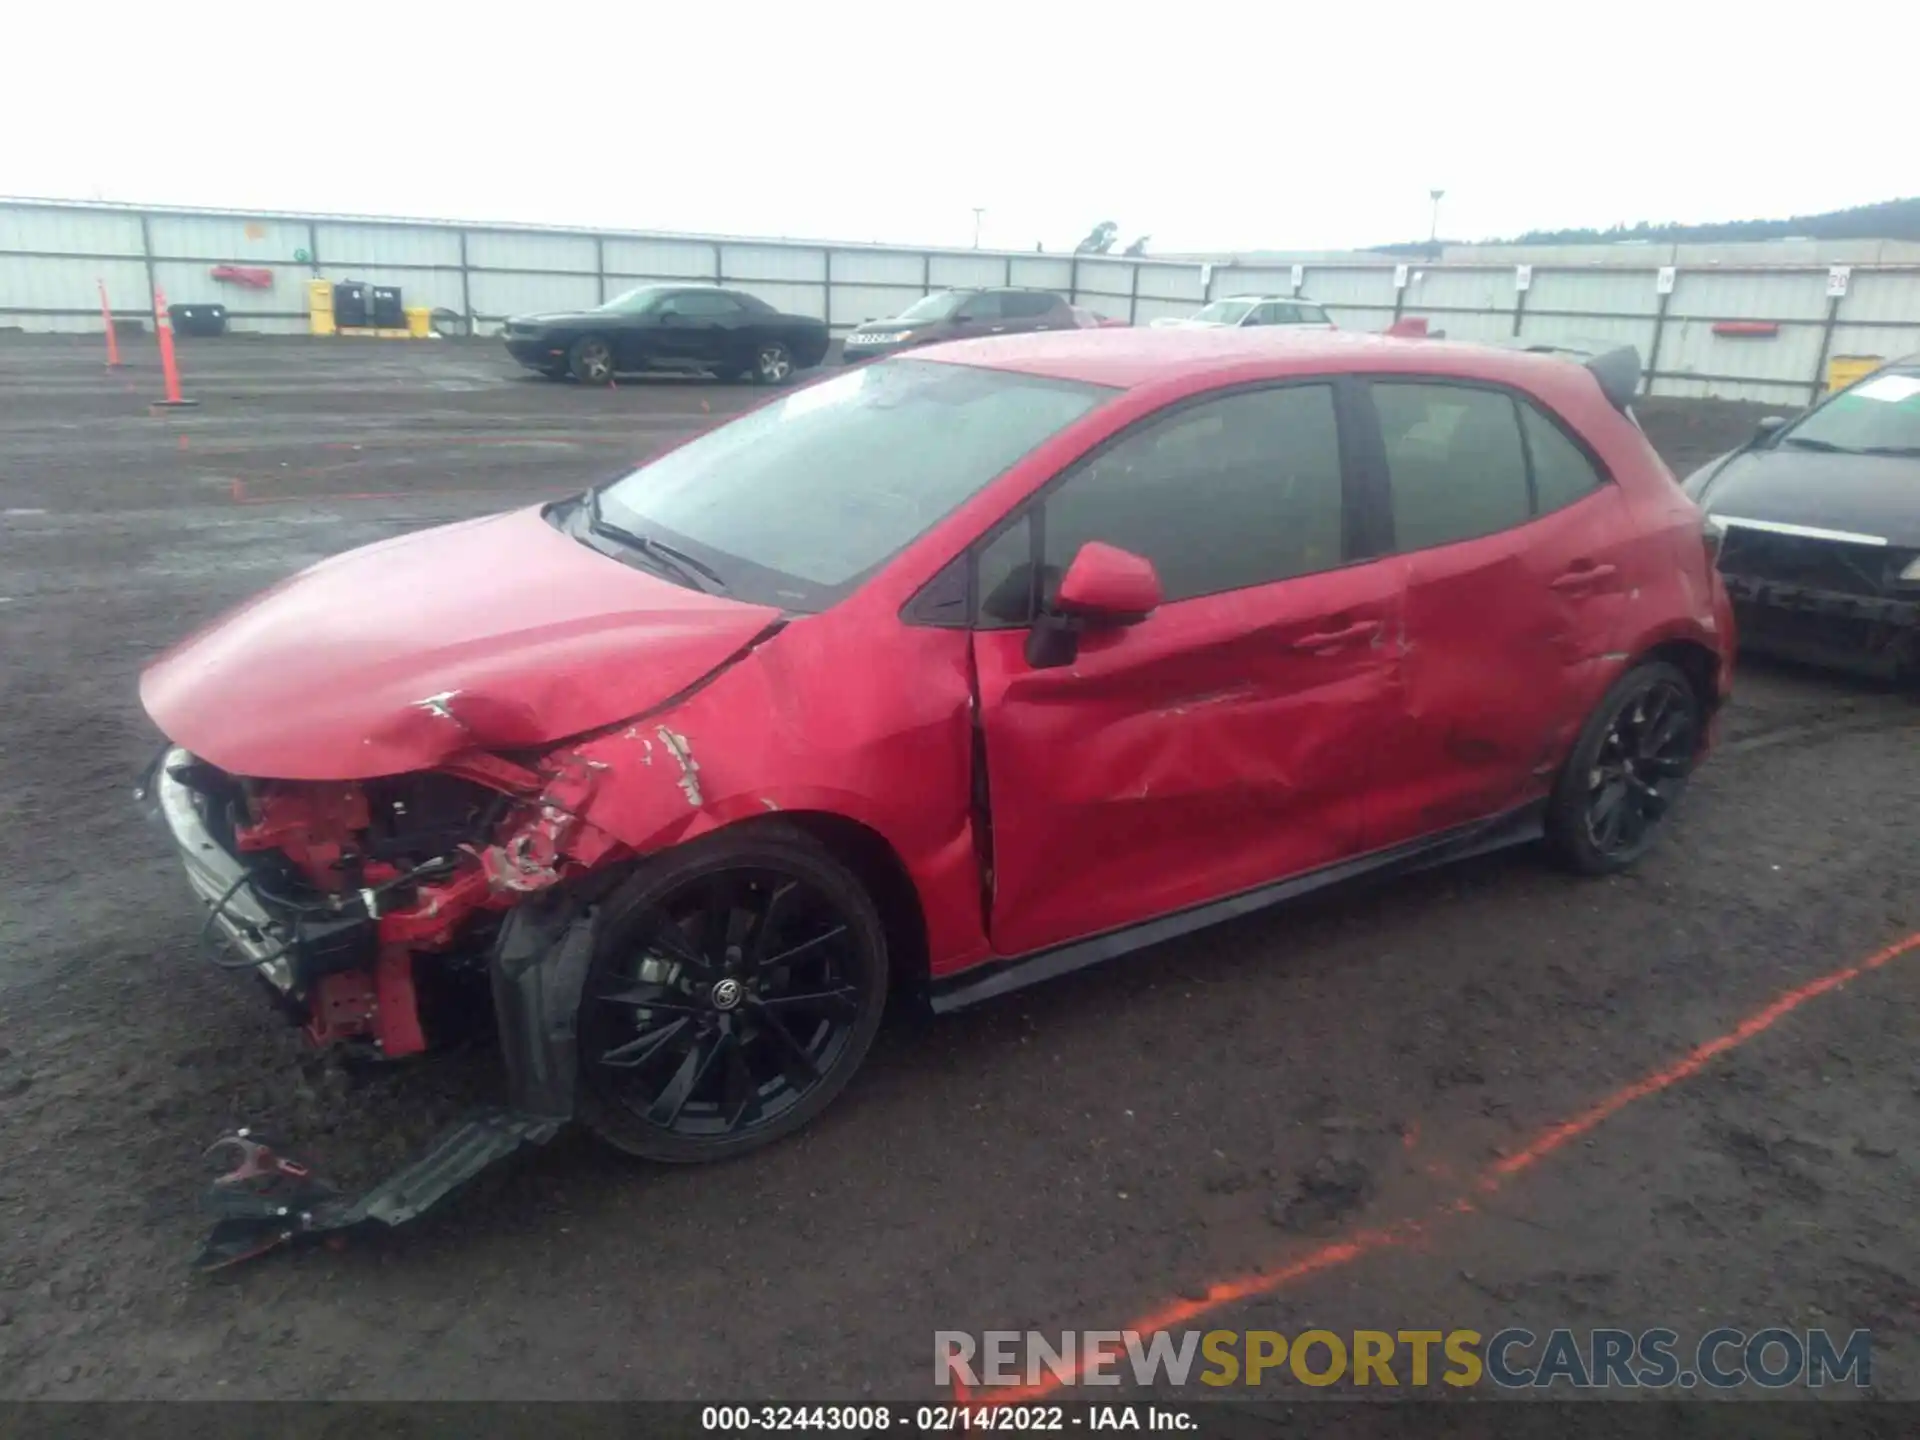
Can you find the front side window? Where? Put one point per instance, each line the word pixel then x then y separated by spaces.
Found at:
pixel 1455 467
pixel 1224 312
pixel 793 503
pixel 937 306
pixel 636 301
pixel 1239 491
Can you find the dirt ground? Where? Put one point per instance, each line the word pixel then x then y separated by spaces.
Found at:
pixel 1076 1156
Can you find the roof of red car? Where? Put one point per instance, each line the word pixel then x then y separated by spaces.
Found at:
pixel 1135 356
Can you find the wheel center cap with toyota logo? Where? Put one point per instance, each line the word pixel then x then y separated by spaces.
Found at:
pixel 726 994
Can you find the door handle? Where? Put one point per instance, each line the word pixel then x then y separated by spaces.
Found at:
pixel 1333 639
pixel 1581 577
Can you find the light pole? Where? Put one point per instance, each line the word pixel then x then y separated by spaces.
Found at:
pixel 1433 235
pixel 978 211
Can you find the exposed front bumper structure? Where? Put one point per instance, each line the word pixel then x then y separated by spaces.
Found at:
pixel 217 877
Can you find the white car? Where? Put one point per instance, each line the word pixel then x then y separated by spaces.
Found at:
pixel 1242 310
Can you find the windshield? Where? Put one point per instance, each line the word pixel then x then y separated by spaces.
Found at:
pixel 1226 312
pixel 1877 416
pixel 933 307
pixel 633 301
pixel 794 503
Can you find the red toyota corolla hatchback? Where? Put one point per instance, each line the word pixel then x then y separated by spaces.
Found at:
pixel 962 670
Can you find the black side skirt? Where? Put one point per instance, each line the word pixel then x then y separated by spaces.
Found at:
pixel 998 977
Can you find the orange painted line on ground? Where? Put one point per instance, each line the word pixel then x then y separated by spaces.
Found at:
pixel 1336 1254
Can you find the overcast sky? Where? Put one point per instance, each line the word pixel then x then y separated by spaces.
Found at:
pixel 1211 127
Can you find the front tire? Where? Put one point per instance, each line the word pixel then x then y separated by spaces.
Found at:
pixel 1627 770
pixel 736 985
pixel 772 363
pixel 590 361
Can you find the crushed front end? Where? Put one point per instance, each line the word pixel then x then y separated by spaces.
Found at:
pixel 1827 598
pixel 371 908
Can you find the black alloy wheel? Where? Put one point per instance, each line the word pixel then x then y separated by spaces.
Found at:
pixel 734 990
pixel 1627 770
pixel 591 360
pixel 772 363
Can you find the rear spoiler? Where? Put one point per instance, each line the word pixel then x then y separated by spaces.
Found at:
pixel 1615 367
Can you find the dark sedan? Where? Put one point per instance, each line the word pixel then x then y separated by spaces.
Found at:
pixel 1818 525
pixel 727 333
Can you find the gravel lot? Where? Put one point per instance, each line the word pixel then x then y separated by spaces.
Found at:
pixel 1079 1155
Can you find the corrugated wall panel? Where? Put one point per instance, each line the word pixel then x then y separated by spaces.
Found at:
pixel 1172 282
pixel 231 238
pixel 1489 290
pixel 509 250
pixel 878 267
pixel 669 259
pixel 1349 317
pixel 1041 272
pixel 1881 297
pixel 69 232
pixel 1106 279
pixel 496 294
pixel 186 282
pixel 1691 346
pixel 1888 342
pixel 854 303
pixel 1572 330
pixel 71 285
pixel 772 262
pixel 1790 295
pixel 957 271
pixel 387 245
pixel 1482 327
pixel 1150 309
pixel 1239 280
pixel 1627 292
pixel 1331 286
pixel 796 297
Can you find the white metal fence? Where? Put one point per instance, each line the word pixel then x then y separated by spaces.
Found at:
pixel 1735 331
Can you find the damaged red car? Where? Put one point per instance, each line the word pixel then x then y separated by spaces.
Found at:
pixel 949 673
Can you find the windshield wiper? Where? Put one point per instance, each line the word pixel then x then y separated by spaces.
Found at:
pixel 677 563
pixel 1825 446
pixel 1898 451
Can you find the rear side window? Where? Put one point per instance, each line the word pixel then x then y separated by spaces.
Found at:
pixel 984 306
pixel 707 303
pixel 1313 315
pixel 1018 304
pixel 1239 491
pixel 1562 473
pixel 1455 466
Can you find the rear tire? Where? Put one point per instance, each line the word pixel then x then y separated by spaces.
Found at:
pixel 590 361
pixel 1627 770
pixel 736 985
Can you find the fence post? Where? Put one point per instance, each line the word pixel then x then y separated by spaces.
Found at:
pixel 599 263
pixel 466 285
pixel 826 304
pixel 1837 278
pixel 1133 297
pixel 146 255
pixel 1073 279
pixel 1672 275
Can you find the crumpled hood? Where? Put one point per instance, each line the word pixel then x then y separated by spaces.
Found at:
pixel 499 633
pixel 1862 494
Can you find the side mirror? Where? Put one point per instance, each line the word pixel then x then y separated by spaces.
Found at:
pixel 1769 426
pixel 1104 588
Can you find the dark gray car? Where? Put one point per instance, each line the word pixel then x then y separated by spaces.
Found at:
pixel 960 315
pixel 1818 525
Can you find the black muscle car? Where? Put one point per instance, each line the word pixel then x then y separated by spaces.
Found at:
pixel 1817 520
pixel 727 333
